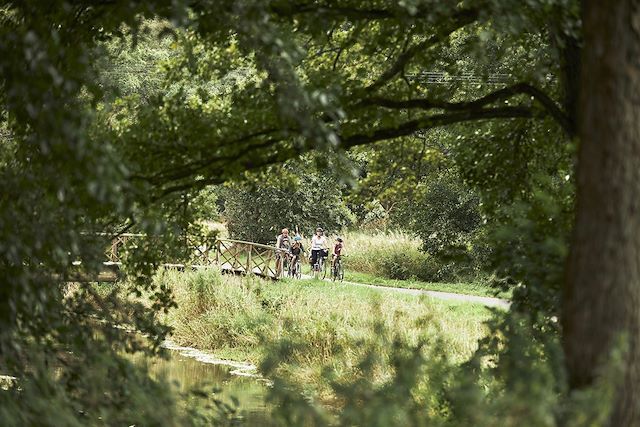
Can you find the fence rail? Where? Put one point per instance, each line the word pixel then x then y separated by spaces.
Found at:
pixel 242 257
pixel 230 256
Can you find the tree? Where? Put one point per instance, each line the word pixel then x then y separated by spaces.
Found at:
pixel 602 293
pixel 336 85
pixel 394 177
pixel 447 219
pixel 295 196
pixel 60 182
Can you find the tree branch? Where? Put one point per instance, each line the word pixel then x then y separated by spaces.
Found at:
pixel 518 89
pixel 432 121
pixel 459 20
pixel 288 10
pixel 284 153
pixel 193 167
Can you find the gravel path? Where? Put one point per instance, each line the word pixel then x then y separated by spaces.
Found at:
pixel 487 301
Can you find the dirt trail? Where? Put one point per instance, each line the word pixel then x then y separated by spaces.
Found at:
pixel 487 301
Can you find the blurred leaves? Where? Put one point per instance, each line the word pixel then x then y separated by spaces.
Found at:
pixel 114 115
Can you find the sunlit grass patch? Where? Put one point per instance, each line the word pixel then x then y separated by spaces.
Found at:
pixel 238 315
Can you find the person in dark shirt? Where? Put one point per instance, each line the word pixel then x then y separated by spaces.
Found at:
pixel 337 250
pixel 296 250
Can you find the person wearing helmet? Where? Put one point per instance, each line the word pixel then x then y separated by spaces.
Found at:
pixel 297 250
pixel 318 246
pixel 337 250
pixel 298 240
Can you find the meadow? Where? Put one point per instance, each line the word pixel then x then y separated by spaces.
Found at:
pixel 322 325
pixel 394 259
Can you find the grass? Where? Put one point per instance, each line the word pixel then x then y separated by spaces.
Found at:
pixel 394 259
pixel 244 318
pixel 467 288
pixel 368 253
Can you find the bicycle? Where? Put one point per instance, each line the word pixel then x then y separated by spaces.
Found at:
pixel 320 267
pixel 337 270
pixel 295 269
pixel 282 262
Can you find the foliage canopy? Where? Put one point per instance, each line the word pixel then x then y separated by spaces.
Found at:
pixel 88 145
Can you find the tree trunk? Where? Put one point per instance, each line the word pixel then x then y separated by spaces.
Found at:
pixel 570 76
pixel 602 293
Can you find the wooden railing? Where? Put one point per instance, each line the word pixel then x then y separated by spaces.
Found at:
pixel 242 257
pixel 113 253
pixel 231 256
pixel 198 250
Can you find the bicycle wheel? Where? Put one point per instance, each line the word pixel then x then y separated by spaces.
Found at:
pixel 298 270
pixel 340 271
pixel 291 270
pixel 323 271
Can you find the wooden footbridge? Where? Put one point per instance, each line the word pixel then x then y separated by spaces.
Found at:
pixel 227 255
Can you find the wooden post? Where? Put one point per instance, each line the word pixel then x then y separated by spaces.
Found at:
pixel 114 251
pixel 249 269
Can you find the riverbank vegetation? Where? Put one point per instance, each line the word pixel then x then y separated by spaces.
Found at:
pixel 233 314
pixel 331 350
pixel 326 324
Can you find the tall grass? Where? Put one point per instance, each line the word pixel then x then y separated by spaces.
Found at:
pixel 369 253
pixel 243 317
pixel 393 255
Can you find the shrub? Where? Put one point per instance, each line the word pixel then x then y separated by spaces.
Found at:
pixel 410 265
pixel 397 255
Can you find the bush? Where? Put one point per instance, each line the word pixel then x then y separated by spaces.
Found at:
pixel 410 265
pixel 447 220
pixel 397 255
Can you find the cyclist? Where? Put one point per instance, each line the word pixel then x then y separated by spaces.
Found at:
pixel 337 251
pixel 284 244
pixel 318 246
pixel 296 250
pixel 298 240
pixel 283 241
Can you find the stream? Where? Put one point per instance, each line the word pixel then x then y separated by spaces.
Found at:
pixel 189 368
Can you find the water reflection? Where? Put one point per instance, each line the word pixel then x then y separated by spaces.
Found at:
pixel 187 373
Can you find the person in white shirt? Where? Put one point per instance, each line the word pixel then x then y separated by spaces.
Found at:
pixel 318 246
